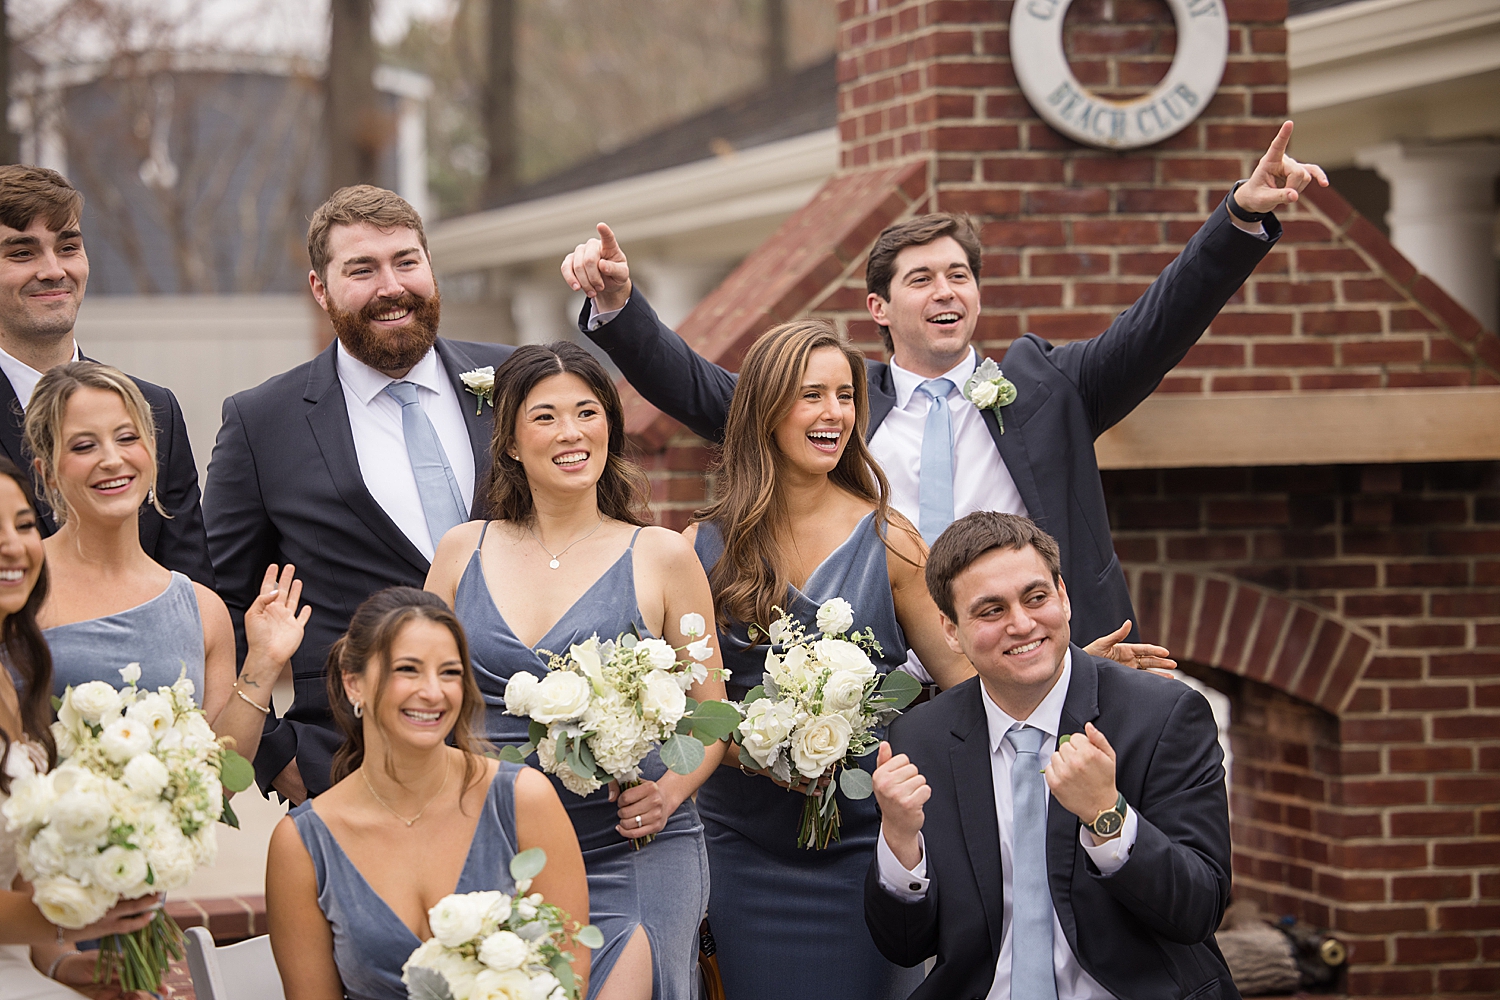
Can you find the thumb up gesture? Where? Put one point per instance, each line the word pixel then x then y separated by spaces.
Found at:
pixel 901 792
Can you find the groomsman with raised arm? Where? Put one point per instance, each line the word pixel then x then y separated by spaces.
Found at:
pixel 1025 444
pixel 44 271
pixel 353 465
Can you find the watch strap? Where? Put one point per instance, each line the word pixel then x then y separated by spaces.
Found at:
pixel 1244 215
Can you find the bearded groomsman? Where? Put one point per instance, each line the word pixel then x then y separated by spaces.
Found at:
pixel 1022 446
pixel 44 270
pixel 353 465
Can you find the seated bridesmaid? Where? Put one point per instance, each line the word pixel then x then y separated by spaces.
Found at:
pixel 410 819
pixel 111 604
pixel 26 746
pixel 572 555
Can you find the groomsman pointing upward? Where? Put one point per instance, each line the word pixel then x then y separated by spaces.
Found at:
pixel 1022 446
pixel 353 465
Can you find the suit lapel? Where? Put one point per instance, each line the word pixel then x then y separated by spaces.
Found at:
pixel 882 394
pixel 480 424
pixel 328 419
pixel 1015 453
pixel 1081 705
pixel 970 760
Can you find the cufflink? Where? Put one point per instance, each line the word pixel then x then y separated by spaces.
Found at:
pixel 915 887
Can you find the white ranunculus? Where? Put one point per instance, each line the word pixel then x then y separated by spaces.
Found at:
pixel 841 655
pixel 662 698
pixel 121 870
pixel 205 844
pixel 542 986
pixel 456 920
pixel 173 857
pixel 843 690
pixel 68 904
pixel 692 625
pixel 701 649
pixel 509 985
pixel 561 695
pixel 835 616
pixel 520 691
pixel 766 726
pixel 503 951
pixel 48 854
pixel 81 815
pixel 196 731
pixel 123 739
pixel 499 907
pixel 984 395
pixel 155 713
pixel 30 798
pixel 95 702
pixel 130 673
pixel 819 743
pixel 146 775
pixel 659 654
pixel 460 972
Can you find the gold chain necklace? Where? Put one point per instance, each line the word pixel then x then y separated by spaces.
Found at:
pixel 555 558
pixel 447 766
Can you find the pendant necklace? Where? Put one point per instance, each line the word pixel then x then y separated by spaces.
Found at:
pixel 447 766
pixel 559 555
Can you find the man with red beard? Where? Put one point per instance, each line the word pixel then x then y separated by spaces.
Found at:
pixel 352 466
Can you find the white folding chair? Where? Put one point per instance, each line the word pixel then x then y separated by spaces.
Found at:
pixel 244 971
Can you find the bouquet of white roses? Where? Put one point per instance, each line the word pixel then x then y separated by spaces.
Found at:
pixel 605 705
pixel 490 946
pixel 816 709
pixel 129 810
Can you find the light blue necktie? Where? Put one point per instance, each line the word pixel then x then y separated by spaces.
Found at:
pixel 437 487
pixel 1031 974
pixel 935 478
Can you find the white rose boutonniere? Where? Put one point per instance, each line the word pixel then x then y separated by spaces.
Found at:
pixel 481 382
pixel 989 389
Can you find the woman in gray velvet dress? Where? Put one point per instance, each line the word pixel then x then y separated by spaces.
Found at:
pixel 801 515
pixel 569 556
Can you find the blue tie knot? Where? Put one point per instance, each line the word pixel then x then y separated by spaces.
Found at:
pixel 404 393
pixel 1026 739
pixel 937 388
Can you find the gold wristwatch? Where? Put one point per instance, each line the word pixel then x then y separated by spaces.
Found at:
pixel 1108 822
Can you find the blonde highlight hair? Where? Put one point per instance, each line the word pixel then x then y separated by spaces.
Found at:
pixel 49 408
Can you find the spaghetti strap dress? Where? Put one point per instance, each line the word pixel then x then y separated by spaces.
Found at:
pixel 790 922
pixel 370 943
pixel 663 887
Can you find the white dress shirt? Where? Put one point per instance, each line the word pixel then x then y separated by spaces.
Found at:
pixel 1073 983
pixel 23 378
pixel 380 442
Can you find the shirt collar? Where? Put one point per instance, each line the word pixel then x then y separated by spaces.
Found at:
pixel 907 382
pixel 1047 717
pixel 23 378
pixel 366 383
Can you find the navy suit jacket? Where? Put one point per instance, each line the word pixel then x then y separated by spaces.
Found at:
pixel 1147 931
pixel 284 485
pixel 177 542
pixel 1066 396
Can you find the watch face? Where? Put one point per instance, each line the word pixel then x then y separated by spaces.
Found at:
pixel 1108 824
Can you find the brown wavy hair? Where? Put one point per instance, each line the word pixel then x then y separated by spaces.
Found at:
pixel 372 632
pixel 748 509
pixel 624 492
pixel 26 653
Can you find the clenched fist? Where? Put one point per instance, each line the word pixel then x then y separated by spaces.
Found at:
pixel 1081 774
pixel 901 791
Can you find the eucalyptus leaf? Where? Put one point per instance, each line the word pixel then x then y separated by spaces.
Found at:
pixel 715 719
pixel 426 984
pixel 590 937
pixel 755 694
pixel 563 970
pixel 855 783
pixel 682 754
pixel 535 733
pixel 513 754
pixel 528 864
pixel 900 689
pixel 235 772
pixel 227 817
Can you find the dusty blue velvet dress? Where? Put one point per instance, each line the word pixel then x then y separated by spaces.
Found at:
pixel 790 922
pixel 370 943
pixel 663 887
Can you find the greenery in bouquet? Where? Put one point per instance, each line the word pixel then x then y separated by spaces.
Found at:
pixel 816 711
pixel 129 811
pixel 604 706
pixel 493 946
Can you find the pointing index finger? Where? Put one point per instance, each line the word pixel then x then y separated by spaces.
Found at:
pixel 1279 144
pixel 610 245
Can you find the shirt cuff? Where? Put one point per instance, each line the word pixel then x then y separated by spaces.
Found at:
pixel 1110 856
pixel 1253 228
pixel 598 319
pixel 895 878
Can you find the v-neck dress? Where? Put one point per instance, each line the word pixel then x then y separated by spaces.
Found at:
pixel 370 943
pixel 662 887
pixel 790 922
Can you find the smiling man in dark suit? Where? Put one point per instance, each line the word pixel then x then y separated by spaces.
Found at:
pixel 1029 451
pixel 353 465
pixel 1056 828
pixel 44 271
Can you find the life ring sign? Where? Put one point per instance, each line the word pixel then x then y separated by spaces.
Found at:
pixel 1041 65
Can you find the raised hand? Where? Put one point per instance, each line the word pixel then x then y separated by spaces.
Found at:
pixel 599 270
pixel 1278 179
pixel 1137 655
pixel 901 792
pixel 273 625
pixel 1081 773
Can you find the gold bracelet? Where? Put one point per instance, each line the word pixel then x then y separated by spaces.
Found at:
pixel 262 709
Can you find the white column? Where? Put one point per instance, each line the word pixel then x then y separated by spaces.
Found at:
pixel 1442 215
pixel 676 288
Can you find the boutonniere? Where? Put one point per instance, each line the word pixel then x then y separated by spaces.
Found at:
pixel 989 389
pixel 481 382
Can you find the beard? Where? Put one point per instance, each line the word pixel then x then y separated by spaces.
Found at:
pixel 388 351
